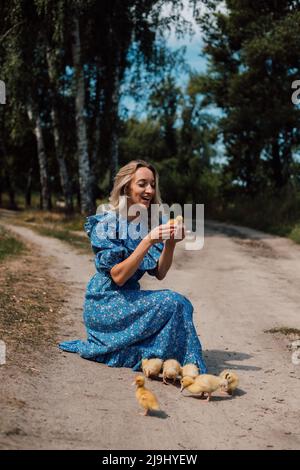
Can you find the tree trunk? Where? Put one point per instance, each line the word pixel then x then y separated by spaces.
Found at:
pixel 115 98
pixel 42 158
pixel 96 134
pixel 11 189
pixel 62 166
pixel 94 159
pixel 277 165
pixel 8 176
pixel 287 156
pixel 28 187
pixel 63 171
pixel 1 175
pixel 87 205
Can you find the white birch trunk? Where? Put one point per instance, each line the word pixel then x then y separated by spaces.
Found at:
pixel 87 205
pixel 114 157
pixel 42 158
pixel 63 171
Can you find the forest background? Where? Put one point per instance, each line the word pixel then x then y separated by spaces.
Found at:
pixel 91 85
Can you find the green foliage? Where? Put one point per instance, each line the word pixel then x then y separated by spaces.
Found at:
pixel 141 140
pixel 295 234
pixel 253 56
pixel 179 138
pixel 33 30
pixel 277 213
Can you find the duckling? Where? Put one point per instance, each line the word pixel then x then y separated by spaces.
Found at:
pixel 151 367
pixel 204 383
pixel 232 379
pixel 189 370
pixel 145 397
pixel 178 220
pixel 171 370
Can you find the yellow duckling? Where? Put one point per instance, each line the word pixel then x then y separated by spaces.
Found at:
pixel 178 220
pixel 189 370
pixel 171 370
pixel 151 367
pixel 232 379
pixel 204 383
pixel 145 397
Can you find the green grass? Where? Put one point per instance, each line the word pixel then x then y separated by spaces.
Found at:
pixel 277 214
pixel 64 235
pixel 20 201
pixel 285 230
pixel 9 245
pixel 56 225
pixel 295 234
pixel 61 221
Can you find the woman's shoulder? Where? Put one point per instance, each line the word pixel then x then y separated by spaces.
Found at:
pixel 105 218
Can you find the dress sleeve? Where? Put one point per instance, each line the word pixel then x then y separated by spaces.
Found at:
pixel 150 261
pixel 103 233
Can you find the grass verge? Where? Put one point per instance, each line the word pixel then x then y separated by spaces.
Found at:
pixel 55 225
pixel 30 302
pixel 9 246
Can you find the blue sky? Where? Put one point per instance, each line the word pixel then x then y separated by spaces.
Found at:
pixel 194 58
pixel 193 44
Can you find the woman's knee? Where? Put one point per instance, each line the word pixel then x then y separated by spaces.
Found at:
pixel 181 300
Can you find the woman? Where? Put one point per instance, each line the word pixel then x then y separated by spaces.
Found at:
pixel 125 324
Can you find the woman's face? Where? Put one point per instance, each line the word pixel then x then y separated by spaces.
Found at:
pixel 142 187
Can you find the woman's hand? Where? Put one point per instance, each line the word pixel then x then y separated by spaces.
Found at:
pixel 179 229
pixel 161 233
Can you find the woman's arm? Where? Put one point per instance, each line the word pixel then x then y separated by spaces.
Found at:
pixel 121 272
pixel 165 260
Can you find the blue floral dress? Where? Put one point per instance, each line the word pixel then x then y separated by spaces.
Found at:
pixel 125 324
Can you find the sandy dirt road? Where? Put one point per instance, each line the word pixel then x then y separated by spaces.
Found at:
pixel 241 283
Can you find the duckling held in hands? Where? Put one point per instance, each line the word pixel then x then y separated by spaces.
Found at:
pixel 152 367
pixel 189 370
pixel 171 370
pixel 204 383
pixel 178 220
pixel 232 379
pixel 145 397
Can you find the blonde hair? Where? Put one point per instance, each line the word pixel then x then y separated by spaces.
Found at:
pixel 124 177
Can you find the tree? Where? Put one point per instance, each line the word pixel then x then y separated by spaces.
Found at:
pixel 253 59
pixel 24 71
pixel 65 62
